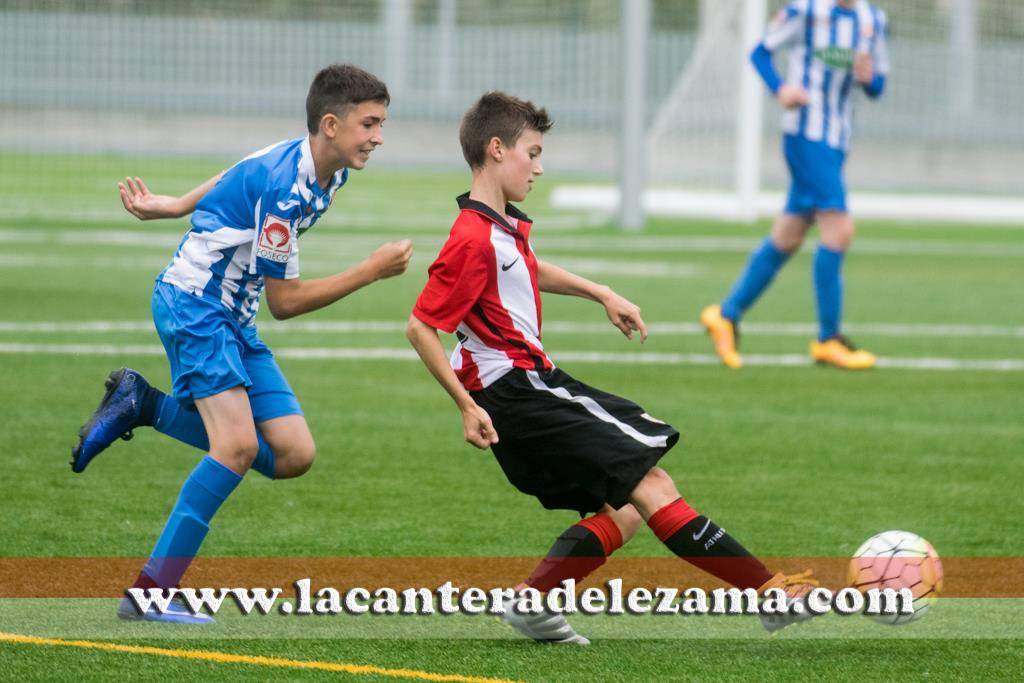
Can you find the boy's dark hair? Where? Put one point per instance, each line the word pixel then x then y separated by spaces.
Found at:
pixel 498 115
pixel 337 88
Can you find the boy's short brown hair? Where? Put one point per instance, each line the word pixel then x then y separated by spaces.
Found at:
pixel 499 115
pixel 338 87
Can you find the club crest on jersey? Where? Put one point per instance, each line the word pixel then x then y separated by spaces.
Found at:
pixel 275 239
pixel 836 57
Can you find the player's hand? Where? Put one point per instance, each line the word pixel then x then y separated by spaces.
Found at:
pixel 143 204
pixel 625 315
pixel 477 427
pixel 792 96
pixel 863 68
pixel 390 259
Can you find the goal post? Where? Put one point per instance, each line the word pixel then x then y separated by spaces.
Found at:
pixel 749 113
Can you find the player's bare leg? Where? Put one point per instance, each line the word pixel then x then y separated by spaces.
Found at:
pixel 292 444
pixel 286 446
pixel 230 428
pixel 789 230
pixel 832 347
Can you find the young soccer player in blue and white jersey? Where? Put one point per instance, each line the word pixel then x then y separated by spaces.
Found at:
pixel 230 398
pixel 835 47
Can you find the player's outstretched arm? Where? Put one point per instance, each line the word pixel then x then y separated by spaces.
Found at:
pixel 477 428
pixel 624 314
pixel 289 298
pixel 144 205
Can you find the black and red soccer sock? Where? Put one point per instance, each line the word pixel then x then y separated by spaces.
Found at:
pixel 580 550
pixel 704 544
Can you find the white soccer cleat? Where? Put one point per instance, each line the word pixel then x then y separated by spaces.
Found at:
pixel 546 627
pixel 177 612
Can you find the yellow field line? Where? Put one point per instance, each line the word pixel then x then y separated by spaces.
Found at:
pixel 228 658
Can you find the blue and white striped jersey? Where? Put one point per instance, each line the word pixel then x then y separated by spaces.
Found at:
pixel 822 37
pixel 247 226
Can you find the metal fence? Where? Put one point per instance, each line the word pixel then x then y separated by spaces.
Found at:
pixel 223 77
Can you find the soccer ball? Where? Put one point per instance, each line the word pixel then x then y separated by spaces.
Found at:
pixel 898 559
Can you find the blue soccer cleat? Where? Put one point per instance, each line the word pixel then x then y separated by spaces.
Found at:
pixel 118 413
pixel 177 612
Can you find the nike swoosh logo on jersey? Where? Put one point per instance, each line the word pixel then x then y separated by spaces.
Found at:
pixel 700 533
pixel 504 267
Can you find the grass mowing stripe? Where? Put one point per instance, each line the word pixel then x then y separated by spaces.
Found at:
pixel 384 353
pixel 617 244
pixel 668 328
pixel 229 658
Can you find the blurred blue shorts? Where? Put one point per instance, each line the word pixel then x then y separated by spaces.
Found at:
pixel 816 171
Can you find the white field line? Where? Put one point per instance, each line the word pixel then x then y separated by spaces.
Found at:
pixel 364 243
pixel 126 262
pixel 716 244
pixel 672 328
pixel 381 353
pixel 681 203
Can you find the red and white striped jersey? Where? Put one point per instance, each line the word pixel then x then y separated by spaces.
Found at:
pixel 483 287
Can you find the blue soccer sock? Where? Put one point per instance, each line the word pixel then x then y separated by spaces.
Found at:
pixel 764 263
pixel 828 290
pixel 177 422
pixel 206 488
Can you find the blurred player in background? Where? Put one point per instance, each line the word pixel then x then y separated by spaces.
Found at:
pixel 230 398
pixel 835 47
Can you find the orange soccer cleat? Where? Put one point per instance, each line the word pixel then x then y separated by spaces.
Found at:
pixel 796 587
pixel 724 333
pixel 841 353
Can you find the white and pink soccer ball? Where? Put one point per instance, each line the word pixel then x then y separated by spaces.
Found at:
pixel 898 559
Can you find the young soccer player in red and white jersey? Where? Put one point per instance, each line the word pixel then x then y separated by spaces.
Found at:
pixel 570 445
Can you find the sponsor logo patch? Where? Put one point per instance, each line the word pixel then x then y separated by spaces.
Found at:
pixel 275 239
pixel 836 57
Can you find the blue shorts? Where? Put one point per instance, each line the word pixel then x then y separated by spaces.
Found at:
pixel 817 176
pixel 210 352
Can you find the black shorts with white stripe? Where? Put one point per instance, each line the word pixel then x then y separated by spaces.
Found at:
pixel 572 446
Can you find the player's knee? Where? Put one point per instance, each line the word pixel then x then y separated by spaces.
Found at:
pixel 839 241
pixel 296 460
pixel 658 477
pixel 837 230
pixel 788 232
pixel 787 242
pixel 303 459
pixel 656 489
pixel 238 453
